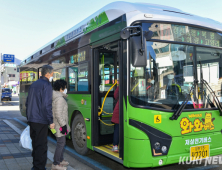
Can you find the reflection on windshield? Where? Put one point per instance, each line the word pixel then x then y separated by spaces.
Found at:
pixel 169 74
pixel 183 33
pixel 209 60
pixel 6 91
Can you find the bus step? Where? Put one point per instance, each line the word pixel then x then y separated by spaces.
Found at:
pixel 107 151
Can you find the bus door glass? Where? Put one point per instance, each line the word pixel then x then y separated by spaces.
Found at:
pixel 107 75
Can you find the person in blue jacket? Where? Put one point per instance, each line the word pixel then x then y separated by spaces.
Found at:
pixel 39 116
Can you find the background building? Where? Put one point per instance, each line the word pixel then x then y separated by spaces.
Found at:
pixel 10 76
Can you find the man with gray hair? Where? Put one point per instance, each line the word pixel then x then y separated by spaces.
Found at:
pixel 39 116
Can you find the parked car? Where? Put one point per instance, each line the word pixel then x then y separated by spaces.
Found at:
pixel 6 94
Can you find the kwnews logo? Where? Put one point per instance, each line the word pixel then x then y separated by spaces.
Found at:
pixel 207 161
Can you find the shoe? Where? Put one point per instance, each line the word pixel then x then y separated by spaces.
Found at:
pixel 58 167
pixel 115 148
pixel 64 163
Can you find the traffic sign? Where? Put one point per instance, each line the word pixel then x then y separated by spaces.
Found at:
pixel 8 58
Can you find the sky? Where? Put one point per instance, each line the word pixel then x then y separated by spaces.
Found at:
pixel 27 25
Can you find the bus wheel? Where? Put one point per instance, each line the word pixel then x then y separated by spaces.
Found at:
pixel 79 139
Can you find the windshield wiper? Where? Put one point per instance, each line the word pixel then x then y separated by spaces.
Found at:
pixel 178 112
pixel 214 96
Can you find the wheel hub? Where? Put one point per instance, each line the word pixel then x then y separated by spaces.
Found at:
pixel 80 134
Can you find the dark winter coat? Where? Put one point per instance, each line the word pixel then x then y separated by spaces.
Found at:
pixel 115 118
pixel 39 102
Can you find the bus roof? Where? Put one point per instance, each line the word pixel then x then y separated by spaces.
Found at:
pixel 133 11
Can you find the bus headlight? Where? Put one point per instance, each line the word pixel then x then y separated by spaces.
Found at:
pixel 157 146
pixel 164 149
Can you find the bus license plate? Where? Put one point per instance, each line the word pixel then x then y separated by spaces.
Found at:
pixel 6 96
pixel 199 152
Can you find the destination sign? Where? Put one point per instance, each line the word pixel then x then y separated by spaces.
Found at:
pixel 187 34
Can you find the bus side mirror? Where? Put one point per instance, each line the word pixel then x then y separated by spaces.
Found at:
pixel 138 51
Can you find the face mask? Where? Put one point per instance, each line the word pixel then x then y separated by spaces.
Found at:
pixel 65 91
pixel 50 79
pixel 152 81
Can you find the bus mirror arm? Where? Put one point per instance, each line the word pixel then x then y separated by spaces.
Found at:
pixel 126 33
pixel 137 45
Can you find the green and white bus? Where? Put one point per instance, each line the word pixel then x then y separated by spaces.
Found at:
pixel 168 66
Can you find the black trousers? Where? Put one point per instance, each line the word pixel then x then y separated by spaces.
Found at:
pixel 116 135
pixel 38 134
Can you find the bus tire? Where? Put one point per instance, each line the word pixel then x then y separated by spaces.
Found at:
pixel 79 136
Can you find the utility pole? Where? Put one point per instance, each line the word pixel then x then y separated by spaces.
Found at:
pixel 1 80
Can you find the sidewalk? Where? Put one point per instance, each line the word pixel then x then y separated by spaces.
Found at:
pixel 74 164
pixel 12 156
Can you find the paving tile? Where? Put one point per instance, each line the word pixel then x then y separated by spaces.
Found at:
pixel 9 144
pixel 7 141
pixel 7 157
pixel 3 167
pixel 30 160
pixel 10 161
pixel 14 150
pixel 18 156
pixel 13 167
pixel 4 152
pixel 27 154
pixel 21 159
pixel 23 162
pixel 3 155
pixel 4 149
pixel 27 167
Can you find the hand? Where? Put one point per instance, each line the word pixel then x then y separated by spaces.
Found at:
pixel 52 126
pixel 63 130
pixel 149 81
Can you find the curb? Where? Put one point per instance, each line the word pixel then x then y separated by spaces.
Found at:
pixel 90 162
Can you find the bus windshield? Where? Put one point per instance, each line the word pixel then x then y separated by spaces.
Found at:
pixel 6 90
pixel 171 69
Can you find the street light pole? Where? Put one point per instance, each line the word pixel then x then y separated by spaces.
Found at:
pixel 1 80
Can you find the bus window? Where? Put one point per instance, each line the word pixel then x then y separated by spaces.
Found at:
pixel 59 74
pixel 106 71
pixel 73 74
pixel 28 76
pixel 78 77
